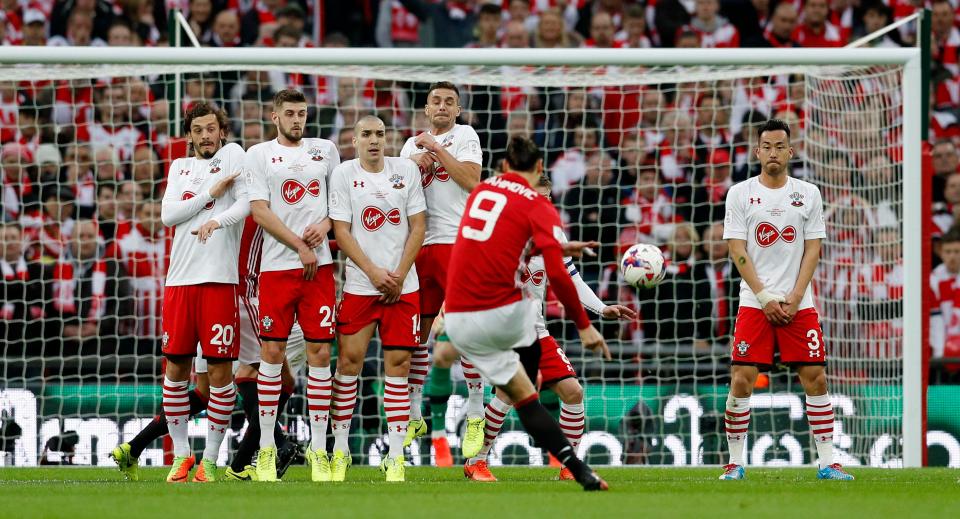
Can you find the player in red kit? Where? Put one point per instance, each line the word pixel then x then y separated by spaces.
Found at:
pixel 288 179
pixel 204 205
pixel 774 225
pixel 487 312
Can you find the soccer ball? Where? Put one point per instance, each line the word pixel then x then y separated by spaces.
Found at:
pixel 642 266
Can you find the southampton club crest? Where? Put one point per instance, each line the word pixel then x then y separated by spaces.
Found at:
pixel 742 348
pixel 266 324
pixel 397 181
pixel 797 199
pixel 316 154
pixel 165 339
pixel 215 166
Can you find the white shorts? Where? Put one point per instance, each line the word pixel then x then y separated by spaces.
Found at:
pixel 250 340
pixel 487 338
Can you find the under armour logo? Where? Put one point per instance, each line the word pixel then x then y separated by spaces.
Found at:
pixel 358 183
pixel 477 385
pixel 274 160
pixel 184 172
pixel 317 417
pixel 175 421
pixel 754 201
pixel 264 412
pixel 814 354
pixel 214 428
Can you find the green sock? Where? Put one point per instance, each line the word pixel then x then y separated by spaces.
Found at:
pixel 439 388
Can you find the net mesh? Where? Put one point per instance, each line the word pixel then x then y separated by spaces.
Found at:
pixel 635 155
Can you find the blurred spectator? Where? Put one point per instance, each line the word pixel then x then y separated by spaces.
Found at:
pixel 687 38
pixel 713 30
pixel 669 17
pixel 226 30
pixel 633 157
pixel 612 8
pixel 48 162
pixel 880 191
pixel 571 165
pixel 709 196
pixel 487 30
pixel 945 163
pixel 129 199
pixel 783 23
pixel 945 311
pixel 946 213
pixel 200 18
pixel 18 189
pixel 398 27
pixel 90 295
pixel 49 228
pixel 724 283
pixel 674 154
pixel 552 32
pixel 393 142
pixel 945 40
pixel 146 169
pixel 143 247
pixel 100 11
pixel 34 28
pixel 816 30
pixel 602 32
pixel 678 310
pixel 79 31
pixel 593 210
pixel 521 11
pixel 876 16
pixel 106 216
pixel 258 20
pixel 120 34
pixel 79 175
pixel 515 35
pixel 106 163
pixel 112 123
pixel 649 211
pixel 750 17
pixel 345 144
pixel 634 34
pixel 881 291
pixel 445 24
pixel 21 307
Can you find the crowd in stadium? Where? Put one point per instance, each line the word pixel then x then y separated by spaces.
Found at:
pixel 84 161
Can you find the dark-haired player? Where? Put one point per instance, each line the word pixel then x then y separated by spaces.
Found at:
pixel 449 157
pixel 288 179
pixel 774 226
pixel 200 294
pixel 487 313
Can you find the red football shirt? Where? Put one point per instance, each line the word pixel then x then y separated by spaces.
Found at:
pixel 506 220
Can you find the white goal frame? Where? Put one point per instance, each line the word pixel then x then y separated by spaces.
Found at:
pixel 912 90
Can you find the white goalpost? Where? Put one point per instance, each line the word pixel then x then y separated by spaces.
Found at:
pixel 860 114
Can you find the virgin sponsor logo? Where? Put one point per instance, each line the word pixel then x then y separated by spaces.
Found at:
pixel 439 173
pixel 767 234
pixel 187 195
pixel 293 191
pixel 536 276
pixel 373 217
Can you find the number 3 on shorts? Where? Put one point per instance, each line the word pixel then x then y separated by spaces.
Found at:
pixel 487 216
pixel 814 337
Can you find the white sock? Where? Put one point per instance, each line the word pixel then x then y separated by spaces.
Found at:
pixel 419 365
pixel 176 408
pixel 495 413
pixel 341 410
pixel 396 405
pixel 219 409
pixel 268 394
pixel 737 421
pixel 319 390
pixel 820 417
pixel 474 390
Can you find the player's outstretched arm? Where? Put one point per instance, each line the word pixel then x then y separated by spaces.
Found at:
pixel 808 265
pixel 270 222
pixel 465 174
pixel 379 276
pixel 770 302
pixel 418 228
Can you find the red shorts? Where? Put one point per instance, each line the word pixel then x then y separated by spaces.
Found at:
pixel 398 323
pixel 205 313
pixel 285 298
pixel 554 365
pixel 800 342
pixel 432 262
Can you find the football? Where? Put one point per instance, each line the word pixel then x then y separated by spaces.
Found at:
pixel 642 266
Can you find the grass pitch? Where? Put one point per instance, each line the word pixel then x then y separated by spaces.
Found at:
pixel 77 493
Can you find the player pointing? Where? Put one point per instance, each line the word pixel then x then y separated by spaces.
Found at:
pixel 288 179
pixel 488 315
pixel 200 295
pixel 774 226
pixel 449 157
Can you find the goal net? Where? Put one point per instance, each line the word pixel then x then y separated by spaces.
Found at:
pixel 635 154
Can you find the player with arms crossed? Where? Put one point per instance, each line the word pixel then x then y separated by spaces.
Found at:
pixel 200 294
pixel 379 219
pixel 546 355
pixel 774 226
pixel 288 179
pixel 449 157
pixel 487 312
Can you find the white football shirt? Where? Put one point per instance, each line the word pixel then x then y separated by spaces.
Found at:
pixel 446 200
pixel 294 181
pixel 187 205
pixel 377 206
pixel 774 223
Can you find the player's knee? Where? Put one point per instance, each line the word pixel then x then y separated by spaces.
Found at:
pixel 816 382
pixel 741 384
pixel 570 394
pixel 348 364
